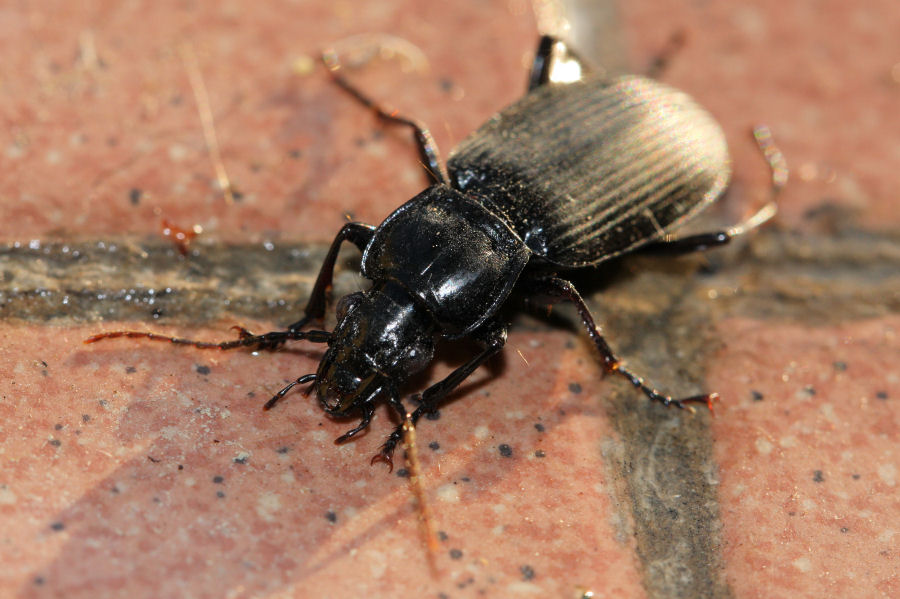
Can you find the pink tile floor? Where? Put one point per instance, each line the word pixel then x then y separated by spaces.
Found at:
pixel 138 470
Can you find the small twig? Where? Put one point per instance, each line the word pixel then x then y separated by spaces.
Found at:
pixel 415 480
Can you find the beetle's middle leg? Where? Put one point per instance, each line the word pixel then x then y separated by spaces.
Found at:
pixel 494 338
pixel 428 150
pixel 556 290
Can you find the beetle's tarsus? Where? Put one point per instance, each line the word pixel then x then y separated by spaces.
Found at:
pixel 684 404
pixel 386 455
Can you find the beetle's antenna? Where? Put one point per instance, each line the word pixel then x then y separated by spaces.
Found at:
pixel 306 378
pixel 245 338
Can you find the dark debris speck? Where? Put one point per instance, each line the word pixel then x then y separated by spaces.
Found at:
pixel 818 476
pixel 465 583
pixel 218 479
pixel 57 526
pixel 539 427
pixel 434 446
pixel 756 395
pixel 204 370
pixel 331 516
pixel 844 529
pixel 540 453
pixel 220 494
pixel 505 450
pixel 527 572
pixel 403 473
pixel 882 395
pixel 456 553
pixel 55 442
pixel 575 388
pixel 840 366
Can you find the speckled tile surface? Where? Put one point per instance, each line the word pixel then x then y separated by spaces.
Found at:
pixel 143 470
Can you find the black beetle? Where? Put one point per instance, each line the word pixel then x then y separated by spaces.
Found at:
pixel 573 174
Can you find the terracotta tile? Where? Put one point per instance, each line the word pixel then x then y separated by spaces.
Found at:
pixel 808 455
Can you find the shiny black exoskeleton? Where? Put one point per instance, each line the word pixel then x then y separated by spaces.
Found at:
pixel 576 172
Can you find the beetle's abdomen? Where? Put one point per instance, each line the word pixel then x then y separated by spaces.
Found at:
pixel 457 258
pixel 589 170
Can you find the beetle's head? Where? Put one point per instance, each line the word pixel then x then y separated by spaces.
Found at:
pixel 380 339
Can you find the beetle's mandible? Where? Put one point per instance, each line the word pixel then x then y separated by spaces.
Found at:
pixel 574 173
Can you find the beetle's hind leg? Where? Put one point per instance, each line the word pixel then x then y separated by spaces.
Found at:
pixel 428 150
pixel 556 290
pixel 555 62
pixel 703 241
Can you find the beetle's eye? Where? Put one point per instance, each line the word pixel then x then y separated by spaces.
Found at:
pixel 346 305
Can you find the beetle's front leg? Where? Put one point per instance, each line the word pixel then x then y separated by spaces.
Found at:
pixel 359 234
pixel 494 338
